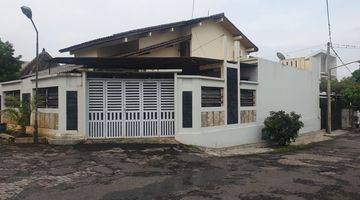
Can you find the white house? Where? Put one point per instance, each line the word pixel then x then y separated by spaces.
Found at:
pixel 192 80
pixel 314 60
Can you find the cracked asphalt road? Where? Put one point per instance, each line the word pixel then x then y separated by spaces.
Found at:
pixel 329 170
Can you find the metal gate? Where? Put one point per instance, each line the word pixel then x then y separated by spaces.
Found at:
pixel 124 108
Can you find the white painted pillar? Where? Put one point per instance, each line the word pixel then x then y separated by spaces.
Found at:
pixel 82 107
pixel 225 51
pixel 176 101
pixel 62 106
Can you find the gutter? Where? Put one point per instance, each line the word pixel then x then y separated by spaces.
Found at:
pixel 11 82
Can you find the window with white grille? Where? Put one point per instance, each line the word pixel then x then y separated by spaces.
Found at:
pixel 211 96
pixel 247 98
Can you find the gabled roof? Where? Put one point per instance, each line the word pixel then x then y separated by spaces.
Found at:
pixel 118 36
pixel 30 67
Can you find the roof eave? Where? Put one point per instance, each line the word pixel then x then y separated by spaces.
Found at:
pixel 134 32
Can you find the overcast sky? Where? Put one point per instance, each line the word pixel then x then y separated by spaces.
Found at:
pixel 273 25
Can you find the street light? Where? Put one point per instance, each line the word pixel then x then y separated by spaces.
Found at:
pixel 28 13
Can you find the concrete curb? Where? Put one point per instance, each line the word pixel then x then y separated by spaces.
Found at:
pixel 261 147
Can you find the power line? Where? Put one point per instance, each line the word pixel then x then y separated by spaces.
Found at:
pixel 304 49
pixel 330 39
pixel 337 55
pixel 346 46
pixel 206 43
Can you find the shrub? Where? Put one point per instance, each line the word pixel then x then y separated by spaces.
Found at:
pixel 282 128
pixel 18 112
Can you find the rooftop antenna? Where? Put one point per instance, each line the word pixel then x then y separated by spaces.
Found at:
pixel 193 8
pixel 280 56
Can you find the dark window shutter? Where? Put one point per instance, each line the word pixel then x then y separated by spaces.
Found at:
pixel 0 108
pixel 232 96
pixel 26 106
pixel 187 109
pixel 71 110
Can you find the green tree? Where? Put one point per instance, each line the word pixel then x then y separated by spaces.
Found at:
pixel 9 64
pixel 351 90
pixel 336 86
pixel 356 75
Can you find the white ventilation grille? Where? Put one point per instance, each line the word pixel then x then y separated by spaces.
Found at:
pixel 96 109
pixel 130 108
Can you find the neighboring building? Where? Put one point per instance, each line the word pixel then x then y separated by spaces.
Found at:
pixel 29 68
pixel 192 80
pixel 315 60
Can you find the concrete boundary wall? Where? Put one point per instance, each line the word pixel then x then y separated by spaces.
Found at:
pixel 279 87
pixel 64 82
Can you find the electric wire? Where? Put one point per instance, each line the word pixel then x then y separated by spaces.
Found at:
pixel 304 49
pixel 337 55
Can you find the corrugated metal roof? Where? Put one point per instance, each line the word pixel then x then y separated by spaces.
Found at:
pixel 58 69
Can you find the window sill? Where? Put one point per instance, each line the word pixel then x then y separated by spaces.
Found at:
pixel 212 109
pixel 249 82
pixel 200 77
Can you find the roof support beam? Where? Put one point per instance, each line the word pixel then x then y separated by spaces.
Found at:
pixel 125 39
pixel 250 50
pixel 238 38
pixel 220 20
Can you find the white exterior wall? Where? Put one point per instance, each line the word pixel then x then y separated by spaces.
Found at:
pixel 316 63
pixel 211 40
pixel 279 88
pixel 71 82
pixel 289 89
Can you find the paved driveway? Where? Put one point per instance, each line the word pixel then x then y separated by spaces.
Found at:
pixel 331 170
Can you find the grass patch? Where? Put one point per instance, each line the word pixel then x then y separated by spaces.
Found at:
pixel 291 148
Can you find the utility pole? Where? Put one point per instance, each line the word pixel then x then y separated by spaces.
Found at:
pixel 328 91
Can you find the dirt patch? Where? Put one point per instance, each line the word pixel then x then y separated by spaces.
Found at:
pixel 306 159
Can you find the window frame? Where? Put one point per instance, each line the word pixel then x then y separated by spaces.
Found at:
pixel 14 93
pixel 245 101
pixel 44 93
pixel 220 101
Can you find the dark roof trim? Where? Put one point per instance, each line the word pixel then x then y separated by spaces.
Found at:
pixel 137 62
pixel 151 29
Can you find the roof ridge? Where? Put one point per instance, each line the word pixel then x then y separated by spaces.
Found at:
pixel 136 31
